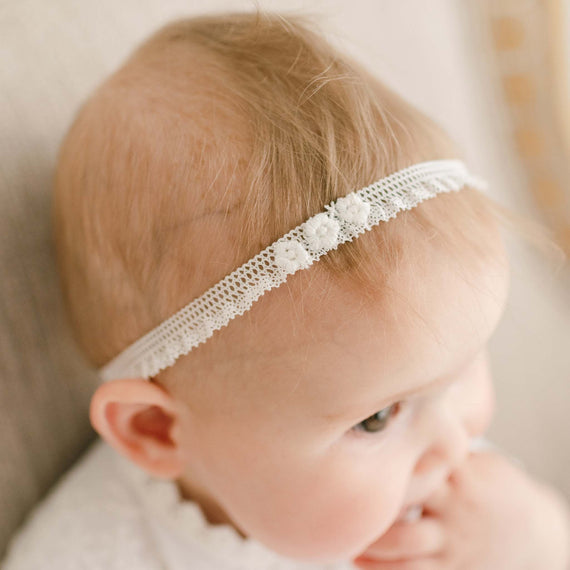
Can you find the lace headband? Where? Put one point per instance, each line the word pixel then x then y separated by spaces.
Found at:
pixel 342 221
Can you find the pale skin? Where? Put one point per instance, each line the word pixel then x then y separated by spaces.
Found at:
pixel 273 441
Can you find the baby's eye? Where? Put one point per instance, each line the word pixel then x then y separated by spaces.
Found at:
pixel 378 422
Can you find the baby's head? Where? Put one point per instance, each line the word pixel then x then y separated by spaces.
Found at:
pixel 345 394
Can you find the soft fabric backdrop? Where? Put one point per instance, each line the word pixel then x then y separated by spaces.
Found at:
pixel 53 53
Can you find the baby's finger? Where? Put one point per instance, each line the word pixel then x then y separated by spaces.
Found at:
pixel 408 540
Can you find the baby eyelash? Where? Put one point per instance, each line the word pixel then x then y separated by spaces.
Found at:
pixel 397 406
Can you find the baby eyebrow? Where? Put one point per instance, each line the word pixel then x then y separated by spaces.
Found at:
pixel 439 382
pixel 385 402
pixel 432 386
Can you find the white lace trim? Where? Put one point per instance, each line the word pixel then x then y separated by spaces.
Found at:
pixel 342 221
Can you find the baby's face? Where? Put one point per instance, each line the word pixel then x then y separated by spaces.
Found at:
pixel 330 415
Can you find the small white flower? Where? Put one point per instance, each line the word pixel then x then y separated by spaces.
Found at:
pixel 321 232
pixel 291 255
pixel 353 209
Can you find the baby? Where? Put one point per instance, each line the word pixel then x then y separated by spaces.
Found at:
pixel 319 406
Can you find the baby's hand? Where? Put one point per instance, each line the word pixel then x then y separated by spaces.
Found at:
pixel 488 515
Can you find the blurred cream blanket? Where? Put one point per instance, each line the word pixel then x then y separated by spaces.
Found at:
pixel 108 514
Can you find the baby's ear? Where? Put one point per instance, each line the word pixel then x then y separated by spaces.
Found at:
pixel 138 419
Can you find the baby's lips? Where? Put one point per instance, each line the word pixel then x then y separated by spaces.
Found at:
pixel 407 514
pixel 363 559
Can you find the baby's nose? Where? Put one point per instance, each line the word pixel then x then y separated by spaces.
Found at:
pixel 448 439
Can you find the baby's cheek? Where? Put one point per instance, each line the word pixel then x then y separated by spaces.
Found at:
pixel 479 398
pixel 333 519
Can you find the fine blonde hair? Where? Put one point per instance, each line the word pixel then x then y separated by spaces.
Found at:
pixel 256 108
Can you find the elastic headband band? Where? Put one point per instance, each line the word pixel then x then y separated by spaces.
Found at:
pixel 343 220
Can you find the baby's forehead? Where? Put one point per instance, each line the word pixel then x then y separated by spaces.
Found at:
pixel 202 230
pixel 201 225
pixel 316 341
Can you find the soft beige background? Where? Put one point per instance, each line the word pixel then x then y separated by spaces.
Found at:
pixel 53 53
